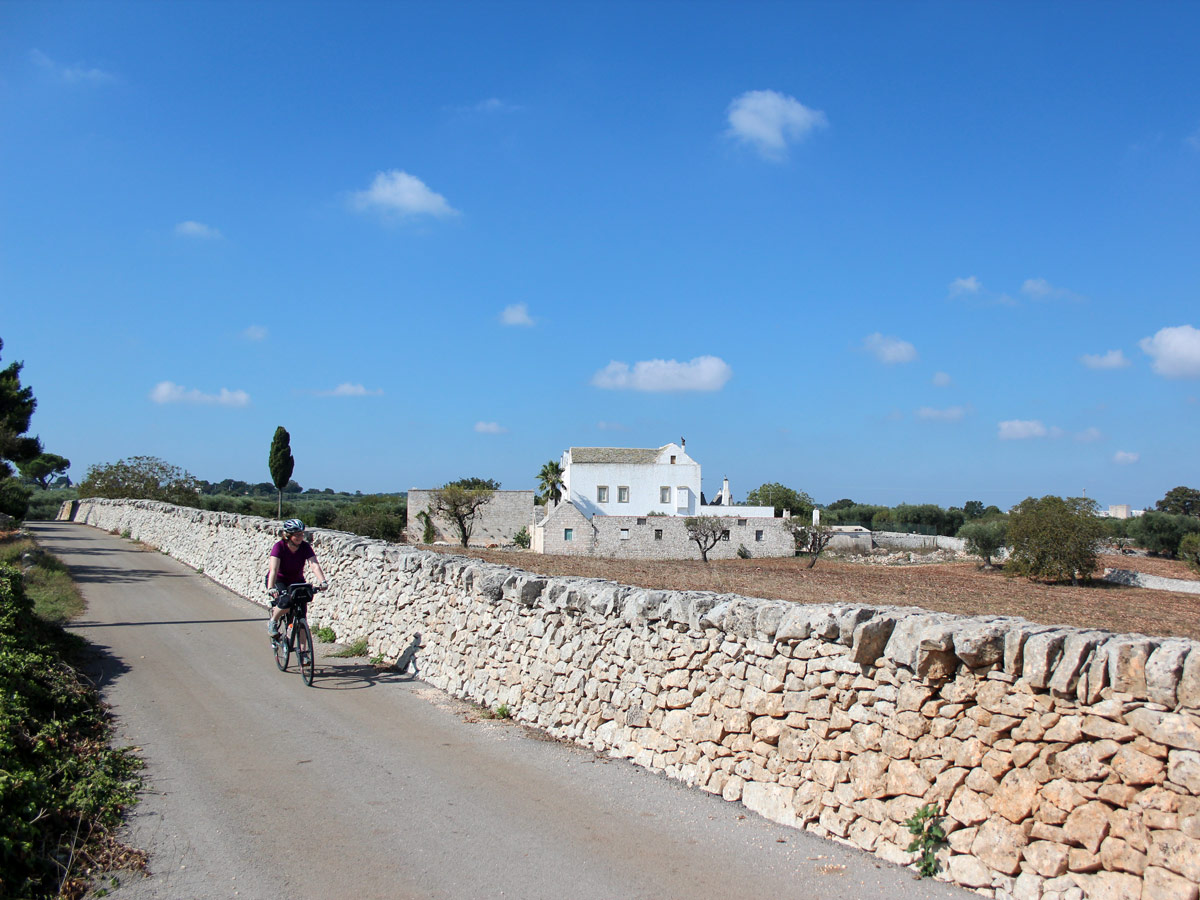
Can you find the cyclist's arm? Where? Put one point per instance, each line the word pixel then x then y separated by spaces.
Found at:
pixel 320 574
pixel 272 572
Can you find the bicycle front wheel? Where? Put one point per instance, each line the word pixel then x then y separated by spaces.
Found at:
pixel 283 648
pixel 305 652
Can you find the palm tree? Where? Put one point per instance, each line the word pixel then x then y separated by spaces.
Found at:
pixel 550 482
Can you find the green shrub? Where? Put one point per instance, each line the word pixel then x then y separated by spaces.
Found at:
pixel 1053 538
pixel 1189 551
pixel 522 539
pixel 1162 533
pixel 358 648
pixel 58 776
pixel 324 634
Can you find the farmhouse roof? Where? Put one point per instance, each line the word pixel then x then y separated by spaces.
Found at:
pixel 636 455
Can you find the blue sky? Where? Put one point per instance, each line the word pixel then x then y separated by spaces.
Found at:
pixel 920 252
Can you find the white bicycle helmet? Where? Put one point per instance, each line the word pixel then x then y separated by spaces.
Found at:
pixel 291 526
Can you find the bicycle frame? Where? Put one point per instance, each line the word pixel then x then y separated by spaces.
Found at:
pixel 294 633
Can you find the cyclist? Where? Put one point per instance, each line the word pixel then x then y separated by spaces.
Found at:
pixel 286 567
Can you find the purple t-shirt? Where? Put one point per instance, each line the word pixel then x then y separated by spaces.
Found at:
pixel 291 562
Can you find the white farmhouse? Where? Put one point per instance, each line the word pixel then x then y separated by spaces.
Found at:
pixel 632 502
pixel 631 481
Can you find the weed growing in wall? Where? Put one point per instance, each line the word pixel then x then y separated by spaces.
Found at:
pixel 928 835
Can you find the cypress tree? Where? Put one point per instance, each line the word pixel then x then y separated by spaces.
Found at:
pixel 281 462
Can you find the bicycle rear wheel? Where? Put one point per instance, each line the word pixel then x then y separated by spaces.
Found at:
pixel 305 652
pixel 283 647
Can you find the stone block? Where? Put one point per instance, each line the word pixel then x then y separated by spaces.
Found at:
pixel 771 801
pixel 1179 730
pixel 1163 884
pixel 870 638
pixel 1164 669
pixel 1127 658
pixel 1175 851
pixel 1041 654
pixel 1087 825
pixel 1183 769
pixel 969 872
pixel 968 807
pixel 1015 797
pixel 980 644
pixel 1117 855
pixel 1135 767
pixel 1046 859
pixel 999 844
pixel 1111 886
pixel 1188 692
pixel 904 777
pixel 1076 651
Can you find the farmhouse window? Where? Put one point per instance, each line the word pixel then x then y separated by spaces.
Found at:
pixel 664 495
pixel 725 535
pixel 658 534
pixel 624 534
pixel 641 521
pixel 758 535
pixel 672 460
pixel 602 494
pixel 568 534
pixel 623 494
pixel 741 521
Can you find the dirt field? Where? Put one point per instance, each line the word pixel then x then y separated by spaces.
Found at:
pixel 958 587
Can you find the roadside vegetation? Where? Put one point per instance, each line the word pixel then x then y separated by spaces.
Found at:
pixel 63 788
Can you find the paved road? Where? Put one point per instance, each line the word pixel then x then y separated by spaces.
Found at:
pixel 373 785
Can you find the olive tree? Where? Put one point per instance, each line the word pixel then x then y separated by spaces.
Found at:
pixel 141 478
pixel 985 538
pixel 705 531
pixel 1054 539
pixel 460 502
pixel 810 538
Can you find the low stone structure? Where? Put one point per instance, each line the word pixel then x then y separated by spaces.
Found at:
pixel 1153 582
pixel 497 522
pixel 1066 762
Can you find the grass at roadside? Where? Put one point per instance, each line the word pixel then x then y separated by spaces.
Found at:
pixel 63 788
pixel 358 648
pixel 47 583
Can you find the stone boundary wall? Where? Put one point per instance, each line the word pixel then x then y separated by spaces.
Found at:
pixel 1066 761
pixel 899 540
pixel 1154 582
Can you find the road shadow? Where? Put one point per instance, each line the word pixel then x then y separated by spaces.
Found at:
pixel 96 662
pixel 356 676
pixel 114 575
pixel 84 623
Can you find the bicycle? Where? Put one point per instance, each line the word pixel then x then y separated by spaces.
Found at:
pixel 294 634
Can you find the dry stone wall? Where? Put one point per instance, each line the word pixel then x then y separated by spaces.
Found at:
pixel 1066 762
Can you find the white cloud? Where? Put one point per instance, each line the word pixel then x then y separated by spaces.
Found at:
pixel 1088 435
pixel 401 194
pixel 191 229
pixel 516 314
pixel 255 333
pixel 941 379
pixel 1125 458
pixel 169 392
pixel 950 414
pixel 889 349
pixel 494 105
pixel 346 389
pixel 76 74
pixel 1113 359
pixel 611 426
pixel 769 121
pixel 969 285
pixel 1176 351
pixel 1019 429
pixel 490 428
pixel 704 373
pixel 1041 289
